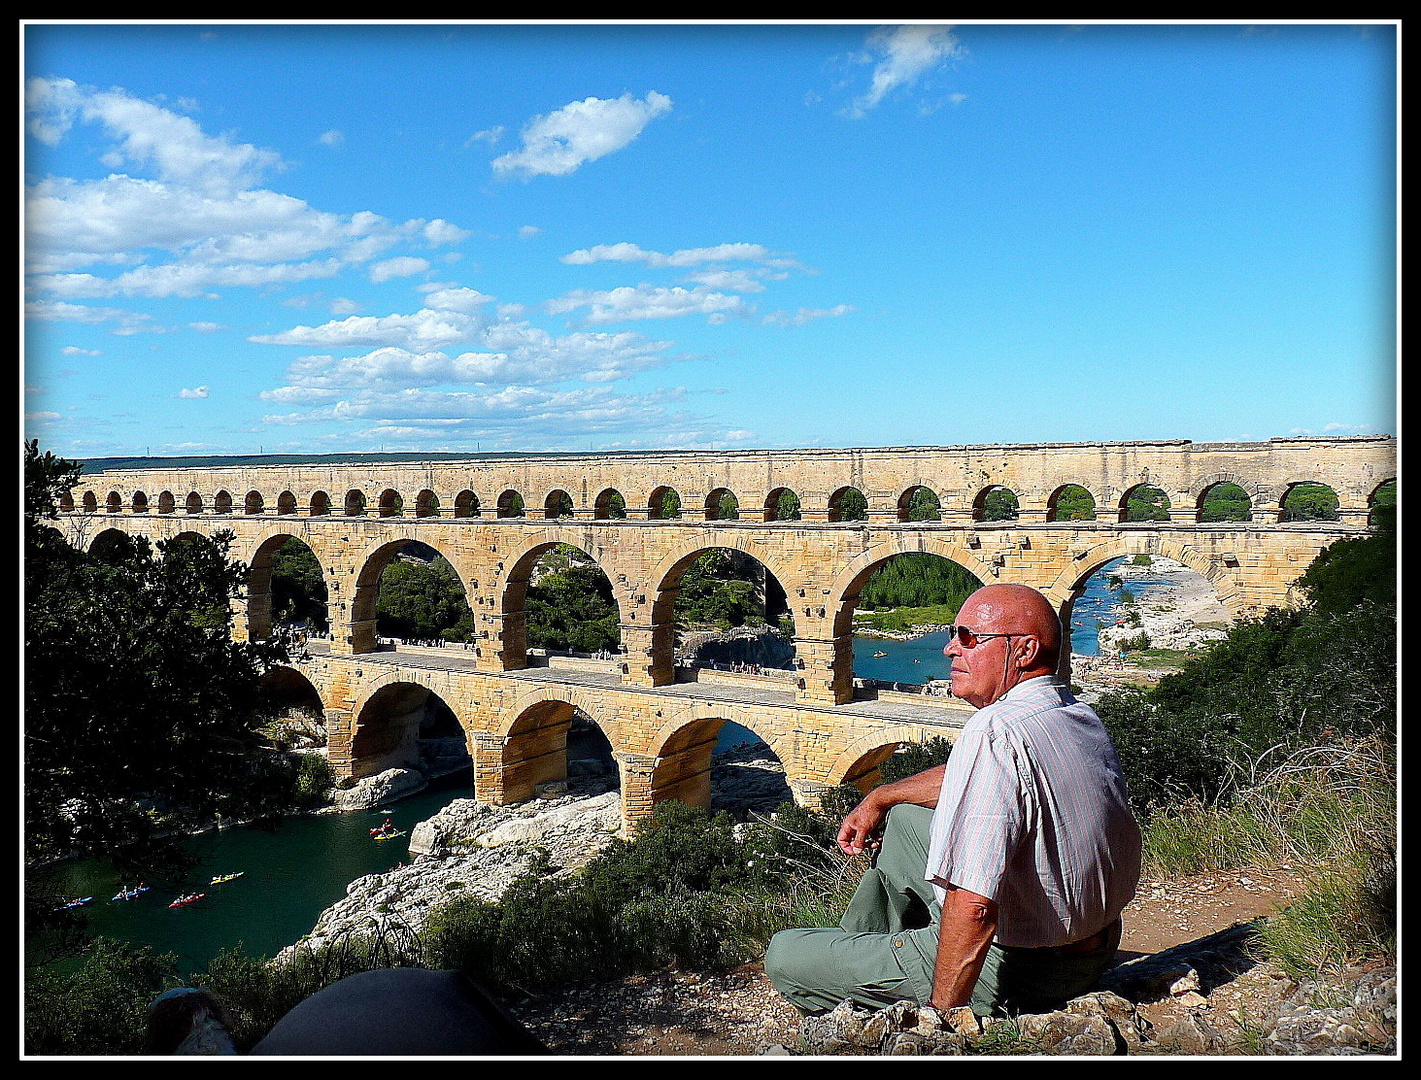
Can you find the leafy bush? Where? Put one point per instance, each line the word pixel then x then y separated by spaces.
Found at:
pixel 101 1008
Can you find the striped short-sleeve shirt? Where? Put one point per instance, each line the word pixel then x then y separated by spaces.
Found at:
pixel 1033 814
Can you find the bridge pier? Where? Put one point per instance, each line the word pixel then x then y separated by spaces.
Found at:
pixel 638 802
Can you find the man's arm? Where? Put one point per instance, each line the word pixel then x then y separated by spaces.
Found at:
pixel 865 821
pixel 965 930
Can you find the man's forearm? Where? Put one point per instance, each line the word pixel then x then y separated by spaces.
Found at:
pixel 965 931
pixel 865 821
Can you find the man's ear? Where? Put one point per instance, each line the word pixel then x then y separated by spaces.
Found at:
pixel 1030 652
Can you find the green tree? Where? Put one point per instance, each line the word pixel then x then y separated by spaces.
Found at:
pixel 572 606
pixel 918 579
pixel 669 505
pixel 1310 502
pixel 999 504
pixel 142 714
pixel 1226 502
pixel 422 598
pixel 787 506
pixel 298 587
pixel 1075 503
pixel 852 506
pixel 1146 503
pixel 923 505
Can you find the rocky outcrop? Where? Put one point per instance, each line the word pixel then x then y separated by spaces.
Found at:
pixel 761 645
pixel 1359 1017
pixel 379 789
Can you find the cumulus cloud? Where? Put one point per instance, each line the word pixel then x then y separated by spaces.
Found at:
pixel 625 252
pixel 562 141
pixel 403 266
pixel 195 393
pixel 902 55
pixel 198 223
pixel 331 138
pixel 648 302
pixel 804 315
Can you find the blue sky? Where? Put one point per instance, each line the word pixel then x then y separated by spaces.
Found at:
pixel 459 237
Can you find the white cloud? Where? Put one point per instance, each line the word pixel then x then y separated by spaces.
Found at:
pixel 804 315
pixel 206 327
pixel 74 350
pixel 625 252
pixel 527 232
pixel 904 54
pixel 561 141
pixel 196 393
pixel 331 138
pixel 403 266
pixel 648 302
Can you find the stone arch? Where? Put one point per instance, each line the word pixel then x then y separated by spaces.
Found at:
pixel 513 589
pixel 664 503
pixel 320 504
pixel 1376 504
pixel 1070 581
pixel 140 503
pixel 919 499
pixel 426 504
pixel 1202 499
pixel 534 744
pixel 610 504
pixel 90 503
pixel 466 504
pixel 1065 500
pixel 1147 491
pixel 558 504
pixel 664 582
pixel 684 750
pixel 1314 504
pixel 510 504
pixel 782 504
pixel 365 595
pixel 286 503
pixel 261 563
pixel 114 503
pixel 385 725
pixel 848 503
pixel 114 541
pixel 66 500
pixel 996 502
pixel 289 688
pixel 355 503
pixel 222 502
pixel 254 503
pixel 721 505
pixel 1252 488
pixel 859 762
pixel 391 504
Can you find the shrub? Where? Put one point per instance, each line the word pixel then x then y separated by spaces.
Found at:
pixel 101 1008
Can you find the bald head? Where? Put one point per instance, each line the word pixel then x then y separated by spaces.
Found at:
pixel 1016 609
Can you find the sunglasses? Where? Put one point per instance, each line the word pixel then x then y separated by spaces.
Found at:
pixel 968 638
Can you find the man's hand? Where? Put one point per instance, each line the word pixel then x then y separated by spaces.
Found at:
pixel 861 827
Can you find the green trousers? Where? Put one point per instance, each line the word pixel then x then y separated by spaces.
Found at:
pixel 885 947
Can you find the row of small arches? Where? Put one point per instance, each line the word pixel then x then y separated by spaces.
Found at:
pixel 1223 501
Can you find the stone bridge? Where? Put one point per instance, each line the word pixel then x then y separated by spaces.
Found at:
pixel 820 522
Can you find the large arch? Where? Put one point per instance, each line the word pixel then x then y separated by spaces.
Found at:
pixel 366 593
pixel 535 742
pixel 513 591
pixel 385 732
pixel 262 562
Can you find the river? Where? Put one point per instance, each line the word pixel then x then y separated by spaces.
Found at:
pixel 293 873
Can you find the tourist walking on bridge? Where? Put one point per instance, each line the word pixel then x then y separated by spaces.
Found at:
pixel 999 877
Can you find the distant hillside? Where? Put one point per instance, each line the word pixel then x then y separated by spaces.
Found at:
pixel 98 465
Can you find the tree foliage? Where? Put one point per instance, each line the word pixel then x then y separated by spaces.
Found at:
pixel 422 598
pixel 918 579
pixel 572 606
pixel 142 715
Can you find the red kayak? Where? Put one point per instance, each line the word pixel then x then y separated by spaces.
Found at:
pixel 190 898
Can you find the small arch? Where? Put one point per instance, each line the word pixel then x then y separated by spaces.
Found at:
pixel 222 502
pixel 782 504
pixel 610 505
pixel 286 503
pixel 114 503
pixel 66 500
pixel 466 504
pixel 114 545
pixel 193 503
pixel 254 503
pixel 919 503
pixel 722 505
pixel 140 503
pixel 510 504
pixel 91 503
pixel 392 504
pixel 848 504
pixel 557 504
pixel 1381 503
pixel 287 583
pixel 996 503
pixel 166 502
pixel 320 504
pixel 1144 502
pixel 1070 502
pixel 355 503
pixel 1224 501
pixel 426 504
pixel 664 504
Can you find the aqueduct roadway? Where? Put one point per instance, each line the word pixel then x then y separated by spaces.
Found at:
pixel 494 517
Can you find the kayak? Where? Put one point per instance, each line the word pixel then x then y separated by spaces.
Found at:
pixel 129 894
pixel 73 903
pixel 183 901
pixel 226 877
pixel 390 835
